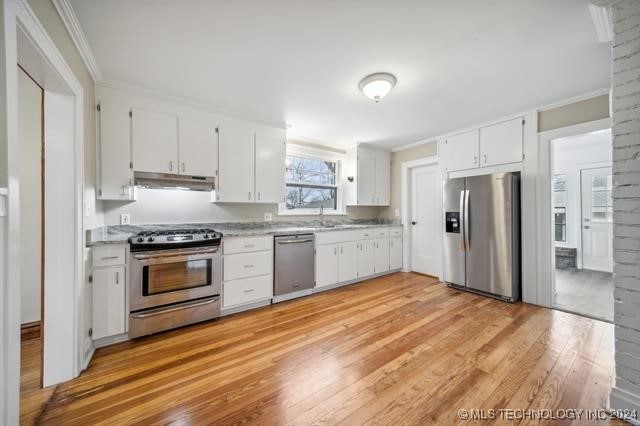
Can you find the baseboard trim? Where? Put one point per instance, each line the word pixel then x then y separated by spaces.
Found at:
pixel 110 340
pixel 30 330
pixel 622 402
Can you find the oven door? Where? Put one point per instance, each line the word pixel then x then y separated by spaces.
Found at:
pixel 165 277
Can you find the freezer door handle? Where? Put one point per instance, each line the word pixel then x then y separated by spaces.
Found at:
pixel 467 244
pixel 463 223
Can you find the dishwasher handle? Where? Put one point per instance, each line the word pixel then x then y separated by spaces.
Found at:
pixel 294 241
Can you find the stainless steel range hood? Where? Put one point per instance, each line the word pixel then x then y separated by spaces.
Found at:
pixel 170 181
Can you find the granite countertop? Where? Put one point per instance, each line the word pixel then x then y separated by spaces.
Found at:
pixel 119 234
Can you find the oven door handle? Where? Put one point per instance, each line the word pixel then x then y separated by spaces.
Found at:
pixel 294 241
pixel 180 307
pixel 174 253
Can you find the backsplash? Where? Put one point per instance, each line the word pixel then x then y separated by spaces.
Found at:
pixel 177 206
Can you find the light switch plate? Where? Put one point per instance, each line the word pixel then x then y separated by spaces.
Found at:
pixel 125 219
pixel 268 217
pixel 397 213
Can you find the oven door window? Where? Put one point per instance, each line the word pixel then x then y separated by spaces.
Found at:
pixel 167 277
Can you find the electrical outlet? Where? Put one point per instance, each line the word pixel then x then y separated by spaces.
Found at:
pixel 397 213
pixel 268 217
pixel 125 219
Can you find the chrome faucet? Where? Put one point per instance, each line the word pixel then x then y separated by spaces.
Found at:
pixel 321 215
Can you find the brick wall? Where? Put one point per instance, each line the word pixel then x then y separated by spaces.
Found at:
pixel 626 200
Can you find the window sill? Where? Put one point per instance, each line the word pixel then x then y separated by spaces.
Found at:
pixel 310 213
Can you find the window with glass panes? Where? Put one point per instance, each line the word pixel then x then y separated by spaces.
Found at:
pixel 559 188
pixel 601 201
pixel 311 183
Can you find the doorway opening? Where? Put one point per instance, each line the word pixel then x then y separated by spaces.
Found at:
pixel 581 186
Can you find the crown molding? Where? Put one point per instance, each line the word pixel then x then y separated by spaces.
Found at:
pixel 68 15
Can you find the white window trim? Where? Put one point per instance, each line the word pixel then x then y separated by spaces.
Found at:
pixel 318 154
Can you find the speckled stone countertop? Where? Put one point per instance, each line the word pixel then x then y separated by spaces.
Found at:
pixel 119 234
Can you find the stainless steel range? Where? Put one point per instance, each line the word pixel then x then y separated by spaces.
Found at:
pixel 175 278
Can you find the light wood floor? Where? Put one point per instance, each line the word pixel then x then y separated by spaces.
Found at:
pixel 402 349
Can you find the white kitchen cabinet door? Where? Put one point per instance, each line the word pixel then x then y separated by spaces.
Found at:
pixel 270 164
pixel 461 152
pixel 326 265
pixel 383 178
pixel 395 253
pixel 114 129
pixel 366 258
pixel 154 142
pixel 236 162
pixel 501 143
pixel 347 261
pixel 198 147
pixel 366 178
pixel 109 296
pixel 381 257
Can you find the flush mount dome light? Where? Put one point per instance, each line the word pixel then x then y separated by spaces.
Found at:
pixel 376 86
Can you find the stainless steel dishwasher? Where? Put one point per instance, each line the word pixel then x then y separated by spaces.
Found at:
pixel 294 266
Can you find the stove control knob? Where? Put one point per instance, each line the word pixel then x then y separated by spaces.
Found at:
pixel 205 236
pixel 140 239
pixel 150 239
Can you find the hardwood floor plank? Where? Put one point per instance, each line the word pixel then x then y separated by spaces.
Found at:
pixel 400 349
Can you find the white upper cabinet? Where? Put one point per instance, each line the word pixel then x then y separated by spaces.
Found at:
pixel 154 142
pixel 502 143
pixel 461 152
pixel 236 171
pixel 198 147
pixel 114 151
pixel 383 178
pixel 270 155
pixel 367 176
pixel 493 145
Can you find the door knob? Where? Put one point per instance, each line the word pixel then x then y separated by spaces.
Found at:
pixel 587 227
pixel 413 222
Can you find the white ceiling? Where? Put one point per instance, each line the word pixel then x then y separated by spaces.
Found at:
pixel 458 63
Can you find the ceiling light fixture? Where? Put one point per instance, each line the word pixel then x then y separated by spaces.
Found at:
pixel 376 86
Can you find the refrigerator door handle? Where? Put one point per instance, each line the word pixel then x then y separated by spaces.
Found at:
pixel 463 222
pixel 466 220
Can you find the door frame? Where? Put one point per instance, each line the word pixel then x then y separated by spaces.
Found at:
pixel 544 196
pixel 64 360
pixel 405 206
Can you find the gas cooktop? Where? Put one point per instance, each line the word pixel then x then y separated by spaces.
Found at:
pixel 163 239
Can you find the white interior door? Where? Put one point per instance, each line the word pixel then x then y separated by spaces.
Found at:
pixel 597 227
pixel 426 218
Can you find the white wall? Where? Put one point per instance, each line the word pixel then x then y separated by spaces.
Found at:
pixel 178 206
pixel 30 131
pixel 570 156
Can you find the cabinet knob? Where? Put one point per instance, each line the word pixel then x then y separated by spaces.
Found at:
pixel 413 222
pixel 170 166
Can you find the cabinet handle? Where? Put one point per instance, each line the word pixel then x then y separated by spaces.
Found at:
pixel 259 196
pixel 248 266
pixel 108 257
pixel 475 159
pixel 183 168
pixel 118 277
pixel 170 166
pixel 122 190
pixel 249 195
pixel 250 290
pixel 249 245
pixel 485 158
pixel 335 251
pixel 341 249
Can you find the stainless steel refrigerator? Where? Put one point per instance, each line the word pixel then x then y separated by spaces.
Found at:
pixel 482 234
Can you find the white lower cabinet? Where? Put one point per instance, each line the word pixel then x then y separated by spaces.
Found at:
pixel 395 253
pixel 109 302
pixel 366 261
pixel 381 256
pixel 247 290
pixel 352 255
pixel 247 272
pixel 347 261
pixel 326 265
